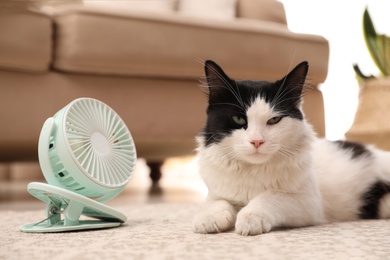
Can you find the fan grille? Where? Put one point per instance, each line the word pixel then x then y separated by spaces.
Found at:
pixel 100 142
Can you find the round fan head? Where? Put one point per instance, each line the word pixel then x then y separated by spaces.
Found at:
pixel 87 148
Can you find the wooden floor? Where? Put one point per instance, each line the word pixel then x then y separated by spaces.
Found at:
pixel 180 183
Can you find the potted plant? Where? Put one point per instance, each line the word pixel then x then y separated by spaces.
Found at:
pixel 372 118
pixel 378 46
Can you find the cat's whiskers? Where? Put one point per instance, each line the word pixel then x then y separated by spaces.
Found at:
pixel 281 87
pixel 228 150
pixel 281 95
pixel 229 104
pixel 236 93
pixel 211 137
pixel 287 153
pixel 239 94
pixel 230 155
pixel 212 134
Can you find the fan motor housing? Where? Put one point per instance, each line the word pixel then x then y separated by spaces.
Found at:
pixel 96 159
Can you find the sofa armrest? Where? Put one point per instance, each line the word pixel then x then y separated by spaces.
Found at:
pixel 266 10
pixel 25 41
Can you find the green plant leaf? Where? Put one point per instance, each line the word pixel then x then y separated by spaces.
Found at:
pixel 383 45
pixel 376 44
pixel 360 76
pixel 386 53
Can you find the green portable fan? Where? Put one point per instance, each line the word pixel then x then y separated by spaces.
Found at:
pixel 87 156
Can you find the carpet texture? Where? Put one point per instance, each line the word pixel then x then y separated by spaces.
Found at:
pixel 163 231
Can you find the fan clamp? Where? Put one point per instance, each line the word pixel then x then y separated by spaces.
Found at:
pixel 87 156
pixel 69 211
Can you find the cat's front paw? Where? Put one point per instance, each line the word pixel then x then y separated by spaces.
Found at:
pixel 213 223
pixel 251 224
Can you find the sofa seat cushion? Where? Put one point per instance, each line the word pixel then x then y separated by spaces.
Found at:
pixel 161 45
pixel 265 10
pixel 205 9
pixel 25 41
pixel 159 6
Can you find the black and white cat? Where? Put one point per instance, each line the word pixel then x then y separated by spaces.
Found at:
pixel 265 168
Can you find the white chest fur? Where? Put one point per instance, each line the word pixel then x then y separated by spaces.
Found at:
pixel 239 182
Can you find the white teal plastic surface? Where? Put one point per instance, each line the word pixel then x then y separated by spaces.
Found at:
pixel 89 148
pixel 64 209
pixel 87 156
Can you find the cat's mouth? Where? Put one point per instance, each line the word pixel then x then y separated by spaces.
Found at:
pixel 256 157
pixel 257 153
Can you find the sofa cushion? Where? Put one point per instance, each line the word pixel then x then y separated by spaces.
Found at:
pixel 25 41
pixel 265 10
pixel 171 46
pixel 34 4
pixel 206 9
pixel 160 6
pixel 16 5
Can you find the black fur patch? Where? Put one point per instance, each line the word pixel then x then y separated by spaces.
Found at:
pixel 357 150
pixel 371 199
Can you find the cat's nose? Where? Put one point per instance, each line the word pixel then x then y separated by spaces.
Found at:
pixel 257 143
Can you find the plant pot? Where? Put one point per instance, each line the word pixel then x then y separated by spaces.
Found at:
pixel 372 119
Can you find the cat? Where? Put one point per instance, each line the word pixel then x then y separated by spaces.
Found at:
pixel 265 168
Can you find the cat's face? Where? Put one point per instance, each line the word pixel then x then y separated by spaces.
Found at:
pixel 252 121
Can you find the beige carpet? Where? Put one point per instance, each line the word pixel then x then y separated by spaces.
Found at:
pixel 163 231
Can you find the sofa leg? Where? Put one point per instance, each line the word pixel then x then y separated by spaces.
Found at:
pixel 155 171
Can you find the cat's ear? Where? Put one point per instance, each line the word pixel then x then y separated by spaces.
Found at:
pixel 217 81
pixel 214 74
pixel 295 80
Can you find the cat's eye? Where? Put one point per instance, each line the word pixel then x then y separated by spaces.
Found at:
pixel 274 120
pixel 239 120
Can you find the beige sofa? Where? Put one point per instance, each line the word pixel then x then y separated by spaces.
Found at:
pixel 145 64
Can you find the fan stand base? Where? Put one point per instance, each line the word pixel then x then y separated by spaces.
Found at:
pixel 61 202
pixel 83 225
